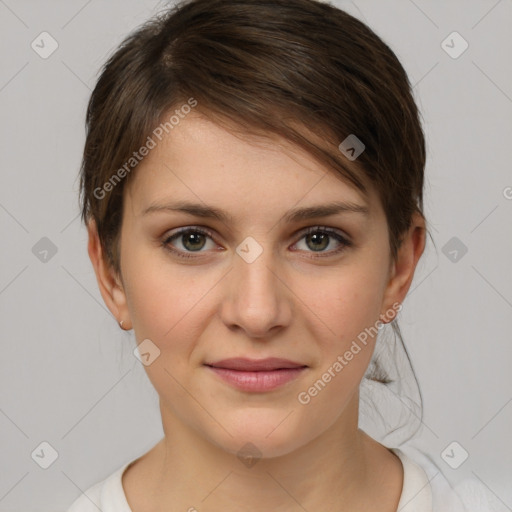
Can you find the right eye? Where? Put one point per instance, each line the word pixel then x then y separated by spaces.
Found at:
pixel 191 239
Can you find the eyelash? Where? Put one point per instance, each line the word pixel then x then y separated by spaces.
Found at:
pixel 345 243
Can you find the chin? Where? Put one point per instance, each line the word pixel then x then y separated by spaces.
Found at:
pixel 262 435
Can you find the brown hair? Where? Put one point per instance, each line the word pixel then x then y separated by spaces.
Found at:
pixel 300 69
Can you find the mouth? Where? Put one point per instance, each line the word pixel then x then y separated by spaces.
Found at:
pixel 256 365
pixel 256 375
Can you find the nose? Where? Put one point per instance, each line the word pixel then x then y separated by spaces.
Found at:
pixel 257 299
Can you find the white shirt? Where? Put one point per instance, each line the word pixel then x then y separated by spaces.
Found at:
pixel 425 489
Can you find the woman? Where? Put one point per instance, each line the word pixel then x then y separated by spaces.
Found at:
pixel 252 185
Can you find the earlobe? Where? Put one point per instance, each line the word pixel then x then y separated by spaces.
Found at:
pixel 109 282
pixel 402 272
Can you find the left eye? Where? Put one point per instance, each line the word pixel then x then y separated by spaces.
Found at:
pixel 193 240
pixel 318 239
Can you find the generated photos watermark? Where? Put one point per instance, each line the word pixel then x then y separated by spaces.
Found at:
pixel 137 156
pixel 304 397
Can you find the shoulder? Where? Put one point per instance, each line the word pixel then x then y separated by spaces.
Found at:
pixel 106 495
pixel 88 501
pixel 470 495
pixel 478 498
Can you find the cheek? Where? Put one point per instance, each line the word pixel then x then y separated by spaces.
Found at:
pixel 160 295
pixel 167 306
pixel 343 314
pixel 343 305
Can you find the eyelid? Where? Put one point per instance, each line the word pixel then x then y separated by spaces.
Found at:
pixel 327 229
pixel 306 230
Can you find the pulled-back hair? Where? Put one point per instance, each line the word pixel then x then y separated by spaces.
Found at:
pixel 298 69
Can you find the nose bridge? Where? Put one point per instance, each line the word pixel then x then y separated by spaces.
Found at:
pixel 256 278
pixel 257 301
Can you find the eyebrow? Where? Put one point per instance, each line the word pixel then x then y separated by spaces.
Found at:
pixel 294 215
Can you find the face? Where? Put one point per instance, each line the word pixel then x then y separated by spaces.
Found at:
pixel 261 280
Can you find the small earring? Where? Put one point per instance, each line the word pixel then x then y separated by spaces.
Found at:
pixel 121 324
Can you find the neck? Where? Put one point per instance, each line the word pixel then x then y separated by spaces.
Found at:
pixel 192 472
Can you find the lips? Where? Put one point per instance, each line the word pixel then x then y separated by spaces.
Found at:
pixel 256 375
pixel 255 365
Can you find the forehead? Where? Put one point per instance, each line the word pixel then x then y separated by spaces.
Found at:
pixel 200 160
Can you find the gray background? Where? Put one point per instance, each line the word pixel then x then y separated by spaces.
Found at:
pixel 67 372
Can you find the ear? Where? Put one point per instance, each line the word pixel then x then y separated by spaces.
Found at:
pixel 110 284
pixel 402 269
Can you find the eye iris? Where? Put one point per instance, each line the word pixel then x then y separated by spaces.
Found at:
pixel 194 238
pixel 320 240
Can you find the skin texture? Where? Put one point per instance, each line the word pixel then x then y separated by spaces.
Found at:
pixel 291 302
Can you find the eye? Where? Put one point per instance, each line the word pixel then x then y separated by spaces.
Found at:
pixel 191 239
pixel 317 239
pixel 186 241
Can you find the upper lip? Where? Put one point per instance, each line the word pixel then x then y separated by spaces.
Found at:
pixel 248 365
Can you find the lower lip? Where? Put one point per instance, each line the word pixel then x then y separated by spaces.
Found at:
pixel 257 381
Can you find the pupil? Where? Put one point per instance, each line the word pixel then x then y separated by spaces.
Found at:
pixel 316 237
pixel 195 238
